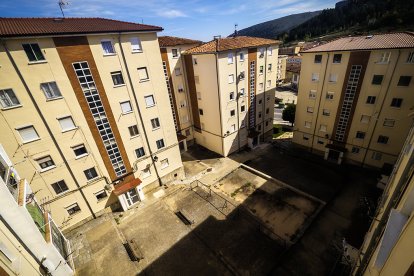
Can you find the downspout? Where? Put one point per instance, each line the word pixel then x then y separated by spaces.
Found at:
pixel 319 104
pixel 237 105
pixel 379 112
pixel 47 127
pixel 264 94
pixel 218 94
pixel 138 109
pixel 186 91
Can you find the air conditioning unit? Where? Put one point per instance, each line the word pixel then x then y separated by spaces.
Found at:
pixel 241 75
pixel 261 55
pixel 180 90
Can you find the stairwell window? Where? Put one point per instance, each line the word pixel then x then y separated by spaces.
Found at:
pixel 33 52
pixel 160 144
pixel 365 119
pixel 243 108
pixel 164 163
pixel 136 46
pixel 241 56
pixel 183 103
pixel 28 134
pixel 200 111
pixel 45 163
pixel 389 122
pixel 377 79
pixel 309 109
pixel 269 67
pixel 308 124
pixel 376 155
pixel 337 58
pixel 155 123
pixel 315 77
pixel 8 99
pixel 333 77
pixel 323 128
pixel 133 130
pixel 80 151
pixel 180 88
pixel 126 107
pixel 269 83
pixel 230 58
pixel 117 78
pixel 382 139
pixel 384 57
pixel 269 51
pixel 231 78
pixel 326 112
pixel 404 81
pixel 371 99
pixel 107 47
pixel 318 59
pixel 312 94
pixel 261 69
pixel 90 173
pixel 149 101
pixel 261 52
pixel 396 102
pixel 261 86
pixel 177 71
pixel 51 90
pixel 360 135
pixel 139 152
pixel 242 92
pixel 355 150
pixel 73 209
pixel 330 95
pixel 143 74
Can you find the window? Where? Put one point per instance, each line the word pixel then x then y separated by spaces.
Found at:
pixel 269 83
pixel 410 58
pixel 155 123
pixel 160 144
pixel 136 44
pixel 355 150
pixel 323 128
pixel 365 119
pixel 318 59
pixel 404 81
pixel 143 73
pixel 230 58
pixel 242 75
pixel 66 123
pixel 33 52
pixel 126 107
pixel 149 100
pixel 101 195
pixel 117 78
pixel 187 132
pixel 60 187
pixel 371 99
pixel 377 79
pixel 145 173
pixel 261 86
pixel 174 53
pixel 195 61
pixel 139 152
pixel 28 134
pixel 396 102
pixel 183 103
pixel 241 56
pixel 259 127
pixel 320 142
pixel 385 57
pixel 261 69
pixel 389 122
pixel 231 78
pixel 90 173
pixel 73 209
pixel 164 163
pixel 269 51
pixel 376 155
pixel 107 47
pixel 180 88
pixel 360 135
pixel 177 71
pixel 269 67
pixel 260 101
pixel 197 79
pixel 51 90
pixel 337 58
pixel 308 124
pixel 326 112
pixel 260 114
pixel 45 163
pixel 231 96
pixel 80 150
pixel 267 110
pixel 198 96
pixel 200 111
pixel 309 109
pixel 267 123
pixel 243 124
pixel 8 98
pixel 382 139
pixel 133 130
pixel 312 94
pixel 185 118
pixel 333 77
pixel 305 137
pixel 232 128
pixel 243 108
pixel 330 95
pixel 315 76
pixel 261 51
pixel 242 92
pixel 232 113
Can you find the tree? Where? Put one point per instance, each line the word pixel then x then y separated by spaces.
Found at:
pixel 289 113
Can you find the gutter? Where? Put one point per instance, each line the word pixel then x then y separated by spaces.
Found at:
pixel 218 94
pixel 237 104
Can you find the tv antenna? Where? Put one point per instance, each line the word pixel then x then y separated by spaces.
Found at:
pixel 235 29
pixel 62 5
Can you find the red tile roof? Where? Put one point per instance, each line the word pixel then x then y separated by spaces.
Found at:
pixel 16 27
pixel 378 41
pixel 123 187
pixel 166 41
pixel 231 43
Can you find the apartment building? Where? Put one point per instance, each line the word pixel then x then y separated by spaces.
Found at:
pixel 388 245
pixel 281 69
pixel 173 64
pixel 85 113
pixel 355 99
pixel 231 84
pixel 30 241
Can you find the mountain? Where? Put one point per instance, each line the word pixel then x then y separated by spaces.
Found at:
pixel 356 17
pixel 271 29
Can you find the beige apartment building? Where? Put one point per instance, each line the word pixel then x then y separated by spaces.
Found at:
pixel 356 99
pixel 388 246
pixel 231 86
pixel 281 69
pixel 173 64
pixel 85 113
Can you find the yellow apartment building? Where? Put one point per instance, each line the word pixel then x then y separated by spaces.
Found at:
pixel 231 86
pixel 356 99
pixel 388 246
pixel 173 64
pixel 85 113
pixel 281 69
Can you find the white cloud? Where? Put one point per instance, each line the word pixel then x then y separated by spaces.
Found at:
pixel 171 13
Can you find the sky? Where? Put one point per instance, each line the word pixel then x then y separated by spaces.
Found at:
pixel 196 19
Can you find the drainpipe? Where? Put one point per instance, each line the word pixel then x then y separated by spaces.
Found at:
pixel 47 127
pixel 218 94
pixel 237 105
pixel 138 109
pixel 379 112
pixel 264 93
pixel 319 104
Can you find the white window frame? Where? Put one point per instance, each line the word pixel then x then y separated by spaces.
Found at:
pixel 198 95
pixel 164 163
pixel 309 109
pixel 365 119
pixel 141 77
pixel 230 58
pixel 269 83
pixel 315 77
pixel 270 51
pixel 4 96
pixel 50 90
pixel 79 147
pixel 37 60
pixel 45 159
pixel 29 140
pixel 100 192
pixel 123 104
pixel 112 47
pixel 241 56
pixel 308 124
pixel 71 207
pixel 384 58
pixel 312 94
pixel 323 128
pixel 133 127
pixel 329 95
pixel 231 78
pixel 232 128
pixel 155 123
pixel 177 71
pixel 145 173
pixel 232 96
pixel 135 41
pixel 62 191
pixel 242 92
pixel 175 53
pixel 139 150
pixel 65 120
pixel 333 78
pixel 116 73
pixel 163 143
pixel 389 122
pixel 326 112
pixel 90 179
pixel 147 103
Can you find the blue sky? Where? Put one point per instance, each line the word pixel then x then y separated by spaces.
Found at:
pixel 198 19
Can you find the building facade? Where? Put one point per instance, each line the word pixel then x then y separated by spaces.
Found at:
pixel 85 113
pixel 231 84
pixel 30 241
pixel 173 64
pixel 354 99
pixel 388 245
pixel 281 69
